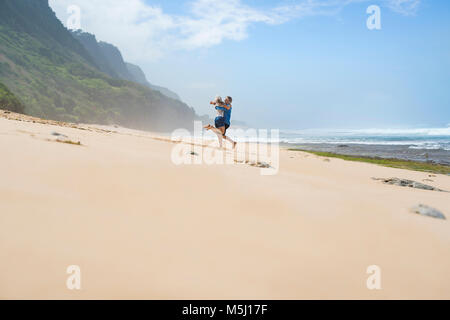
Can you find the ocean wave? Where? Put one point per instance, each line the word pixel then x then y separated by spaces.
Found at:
pixel 412 145
pixel 445 132
pixel 430 147
pixel 418 140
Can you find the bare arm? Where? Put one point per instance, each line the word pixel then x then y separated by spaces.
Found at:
pixel 225 106
pixel 221 106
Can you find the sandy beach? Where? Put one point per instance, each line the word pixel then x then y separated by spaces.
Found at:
pixel 141 227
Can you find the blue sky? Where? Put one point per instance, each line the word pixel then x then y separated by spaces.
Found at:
pixel 289 64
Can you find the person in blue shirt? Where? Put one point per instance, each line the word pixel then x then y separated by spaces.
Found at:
pixel 227 118
pixel 223 119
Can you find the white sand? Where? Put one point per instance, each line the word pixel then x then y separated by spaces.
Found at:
pixel 141 227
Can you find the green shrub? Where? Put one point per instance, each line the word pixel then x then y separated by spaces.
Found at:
pixel 8 101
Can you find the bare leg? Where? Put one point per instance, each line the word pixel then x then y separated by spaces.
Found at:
pixel 215 130
pixel 220 137
pixel 230 140
pixel 220 133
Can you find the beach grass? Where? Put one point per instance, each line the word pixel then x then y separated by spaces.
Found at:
pixel 393 163
pixel 69 142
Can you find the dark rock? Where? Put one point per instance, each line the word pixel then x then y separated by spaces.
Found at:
pixel 194 153
pixel 260 165
pixel 428 211
pixel 57 134
pixel 342 146
pixel 263 165
pixel 408 183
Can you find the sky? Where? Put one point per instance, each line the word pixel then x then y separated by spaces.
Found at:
pixel 288 64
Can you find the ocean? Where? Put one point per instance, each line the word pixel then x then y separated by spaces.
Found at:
pixel 426 144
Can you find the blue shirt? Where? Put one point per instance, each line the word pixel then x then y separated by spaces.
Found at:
pixel 227 114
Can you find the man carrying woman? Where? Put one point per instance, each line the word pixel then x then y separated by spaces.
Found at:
pixel 223 119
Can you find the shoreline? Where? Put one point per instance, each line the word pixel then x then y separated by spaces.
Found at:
pixel 351 150
pixel 379 151
pixel 429 167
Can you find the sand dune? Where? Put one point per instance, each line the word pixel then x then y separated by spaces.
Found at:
pixel 140 226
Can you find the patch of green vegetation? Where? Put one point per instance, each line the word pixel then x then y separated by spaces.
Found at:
pixel 69 142
pixel 55 78
pixel 8 101
pixel 393 163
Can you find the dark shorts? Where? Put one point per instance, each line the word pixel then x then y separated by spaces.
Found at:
pixel 226 128
pixel 219 122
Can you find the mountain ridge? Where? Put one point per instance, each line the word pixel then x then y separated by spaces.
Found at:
pixel 141 78
pixel 110 60
pixel 55 77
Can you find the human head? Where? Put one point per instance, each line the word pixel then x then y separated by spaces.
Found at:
pixel 228 99
pixel 218 100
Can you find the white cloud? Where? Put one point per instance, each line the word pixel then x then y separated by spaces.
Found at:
pixel 143 31
pixel 405 7
pixel 212 21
